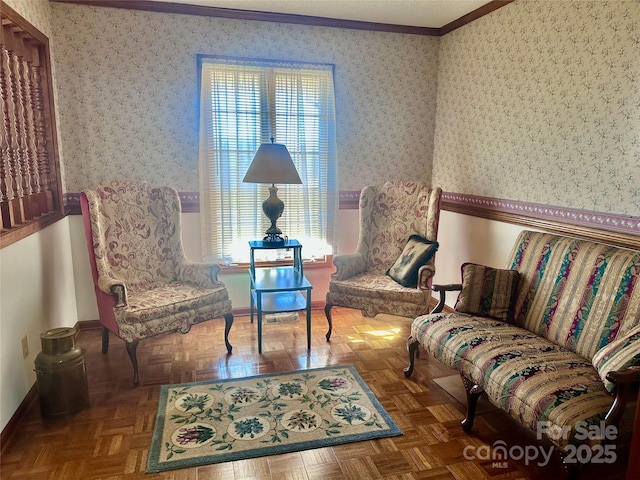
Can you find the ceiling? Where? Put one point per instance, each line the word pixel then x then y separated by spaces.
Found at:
pixel 415 13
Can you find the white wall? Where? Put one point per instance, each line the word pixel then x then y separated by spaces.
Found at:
pixel 37 293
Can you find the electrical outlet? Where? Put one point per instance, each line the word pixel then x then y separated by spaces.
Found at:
pixel 25 347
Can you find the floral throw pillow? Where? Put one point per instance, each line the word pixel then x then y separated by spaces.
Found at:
pixel 416 253
pixel 488 292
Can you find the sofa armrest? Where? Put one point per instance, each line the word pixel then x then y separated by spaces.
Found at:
pixel 625 382
pixel 629 376
pixel 204 275
pixel 348 265
pixel 443 289
pixel 618 355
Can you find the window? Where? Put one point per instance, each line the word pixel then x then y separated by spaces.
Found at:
pixel 244 103
pixel 30 185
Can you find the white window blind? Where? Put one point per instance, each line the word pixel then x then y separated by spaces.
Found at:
pixel 242 104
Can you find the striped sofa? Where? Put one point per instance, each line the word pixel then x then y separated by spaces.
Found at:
pixel 568 353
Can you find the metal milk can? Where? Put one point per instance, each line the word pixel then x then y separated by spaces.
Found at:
pixel 61 373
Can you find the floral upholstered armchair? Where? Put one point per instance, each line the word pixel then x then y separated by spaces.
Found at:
pixel 393 265
pixel 143 282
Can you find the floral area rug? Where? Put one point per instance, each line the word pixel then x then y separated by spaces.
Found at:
pixel 225 420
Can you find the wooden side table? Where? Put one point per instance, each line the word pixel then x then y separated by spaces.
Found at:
pixel 279 289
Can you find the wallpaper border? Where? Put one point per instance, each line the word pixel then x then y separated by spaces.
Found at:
pixel 617 223
pixel 622 230
pixel 614 229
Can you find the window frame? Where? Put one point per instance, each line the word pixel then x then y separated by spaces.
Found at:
pixel 39 41
pixel 319 259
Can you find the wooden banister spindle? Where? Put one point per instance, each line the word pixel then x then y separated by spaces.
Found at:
pixel 44 168
pixel 16 204
pixel 6 189
pixel 21 117
pixel 32 159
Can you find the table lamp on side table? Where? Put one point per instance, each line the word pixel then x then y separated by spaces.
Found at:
pixel 272 164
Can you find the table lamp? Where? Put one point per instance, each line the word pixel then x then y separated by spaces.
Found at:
pixel 272 164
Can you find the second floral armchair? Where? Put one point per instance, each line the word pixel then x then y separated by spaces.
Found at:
pixel 398 226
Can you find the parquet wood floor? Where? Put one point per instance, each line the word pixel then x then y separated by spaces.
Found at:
pixel 109 440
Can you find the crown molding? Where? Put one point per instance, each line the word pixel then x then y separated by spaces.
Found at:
pixel 232 13
pixel 476 14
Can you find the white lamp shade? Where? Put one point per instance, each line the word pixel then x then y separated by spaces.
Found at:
pixel 272 164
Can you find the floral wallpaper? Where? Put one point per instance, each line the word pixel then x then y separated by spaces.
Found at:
pixel 540 102
pixel 128 92
pixel 36 12
pixel 543 91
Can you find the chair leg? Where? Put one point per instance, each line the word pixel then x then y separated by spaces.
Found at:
pixel 131 350
pixel 228 321
pixel 327 313
pixel 412 347
pixel 105 339
pixel 473 394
